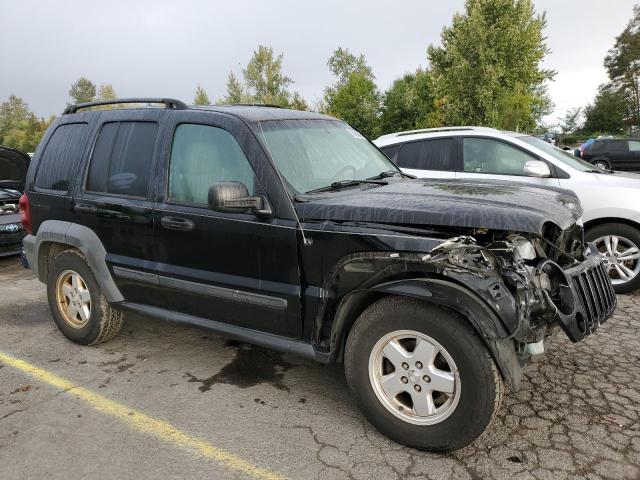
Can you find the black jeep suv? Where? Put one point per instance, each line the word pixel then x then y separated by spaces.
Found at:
pixel 291 230
pixel 13 168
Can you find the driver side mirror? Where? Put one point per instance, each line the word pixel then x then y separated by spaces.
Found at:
pixel 233 197
pixel 536 168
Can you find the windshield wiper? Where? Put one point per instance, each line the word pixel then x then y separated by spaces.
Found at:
pixel 390 173
pixel 343 184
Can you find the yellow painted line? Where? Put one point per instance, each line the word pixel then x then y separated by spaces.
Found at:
pixel 144 423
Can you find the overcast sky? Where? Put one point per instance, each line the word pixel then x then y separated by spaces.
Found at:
pixel 165 48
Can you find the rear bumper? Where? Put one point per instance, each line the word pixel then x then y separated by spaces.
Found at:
pixel 592 297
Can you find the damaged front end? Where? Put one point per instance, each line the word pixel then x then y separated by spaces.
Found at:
pixel 545 283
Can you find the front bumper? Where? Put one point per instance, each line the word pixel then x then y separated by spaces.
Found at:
pixel 11 243
pixel 590 296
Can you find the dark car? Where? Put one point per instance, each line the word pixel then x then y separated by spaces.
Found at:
pixel 613 153
pixel 291 230
pixel 13 169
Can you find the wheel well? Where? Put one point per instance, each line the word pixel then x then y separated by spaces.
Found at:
pixel 601 221
pixel 46 253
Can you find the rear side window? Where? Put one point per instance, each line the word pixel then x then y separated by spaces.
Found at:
pixel 122 157
pixel 618 146
pixel 60 159
pixel 427 155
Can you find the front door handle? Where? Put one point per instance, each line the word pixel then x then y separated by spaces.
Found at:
pixel 177 223
pixel 85 208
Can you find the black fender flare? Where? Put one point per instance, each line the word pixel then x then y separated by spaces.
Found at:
pixel 77 236
pixel 446 294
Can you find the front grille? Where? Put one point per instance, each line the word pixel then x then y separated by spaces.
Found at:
pixel 596 296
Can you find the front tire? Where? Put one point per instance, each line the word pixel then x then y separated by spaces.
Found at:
pixel 77 304
pixel 620 246
pixel 421 374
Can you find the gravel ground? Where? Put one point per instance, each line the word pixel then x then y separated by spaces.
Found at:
pixel 577 414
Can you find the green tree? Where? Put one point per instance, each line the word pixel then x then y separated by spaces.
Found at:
pixel 354 97
pixel 571 122
pixel 83 90
pixel 19 127
pixel 13 113
pixel 607 113
pixel 201 97
pixel 487 71
pixel 106 92
pixel 409 103
pixel 263 82
pixel 623 65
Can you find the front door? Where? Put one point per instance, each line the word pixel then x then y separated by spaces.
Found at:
pixel 236 268
pixel 494 159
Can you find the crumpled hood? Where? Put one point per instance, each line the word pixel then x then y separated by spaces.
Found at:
pixel 464 203
pixel 14 164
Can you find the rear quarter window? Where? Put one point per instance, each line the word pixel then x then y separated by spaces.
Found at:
pixel 61 157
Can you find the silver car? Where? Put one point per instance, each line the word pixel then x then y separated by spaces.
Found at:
pixel 611 200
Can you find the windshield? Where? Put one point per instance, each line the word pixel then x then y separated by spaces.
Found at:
pixel 565 157
pixel 311 154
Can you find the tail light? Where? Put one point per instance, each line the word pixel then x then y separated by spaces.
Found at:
pixel 25 213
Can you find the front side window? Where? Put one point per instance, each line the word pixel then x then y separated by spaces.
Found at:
pixel 202 155
pixel 484 155
pixel 634 146
pixel 312 154
pixel 61 157
pixel 427 155
pixel 122 157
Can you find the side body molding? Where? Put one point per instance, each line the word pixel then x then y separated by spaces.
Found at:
pixel 80 237
pixel 455 297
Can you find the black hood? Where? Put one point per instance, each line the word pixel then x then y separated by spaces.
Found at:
pixel 13 168
pixel 492 204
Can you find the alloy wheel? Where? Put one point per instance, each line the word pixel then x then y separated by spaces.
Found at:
pixel 73 299
pixel 621 257
pixel 414 377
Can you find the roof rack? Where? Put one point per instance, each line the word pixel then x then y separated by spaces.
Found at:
pixel 270 105
pixel 438 129
pixel 168 103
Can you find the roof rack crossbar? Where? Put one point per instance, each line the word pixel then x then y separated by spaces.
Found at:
pixel 168 103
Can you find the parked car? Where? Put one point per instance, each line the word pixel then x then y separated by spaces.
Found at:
pixel 13 168
pixel 291 230
pixel 611 200
pixel 613 153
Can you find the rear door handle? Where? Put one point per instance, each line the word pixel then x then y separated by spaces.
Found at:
pixel 85 208
pixel 177 223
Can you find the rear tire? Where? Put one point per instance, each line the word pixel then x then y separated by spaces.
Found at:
pixel 627 237
pixel 77 304
pixel 462 366
pixel 602 165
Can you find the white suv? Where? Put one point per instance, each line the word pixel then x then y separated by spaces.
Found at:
pixel 611 200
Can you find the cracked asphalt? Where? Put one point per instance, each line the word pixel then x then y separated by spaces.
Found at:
pixel 576 416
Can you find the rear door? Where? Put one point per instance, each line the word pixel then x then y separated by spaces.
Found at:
pixel 427 158
pixel 490 158
pixel 231 267
pixel 114 199
pixel 618 154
